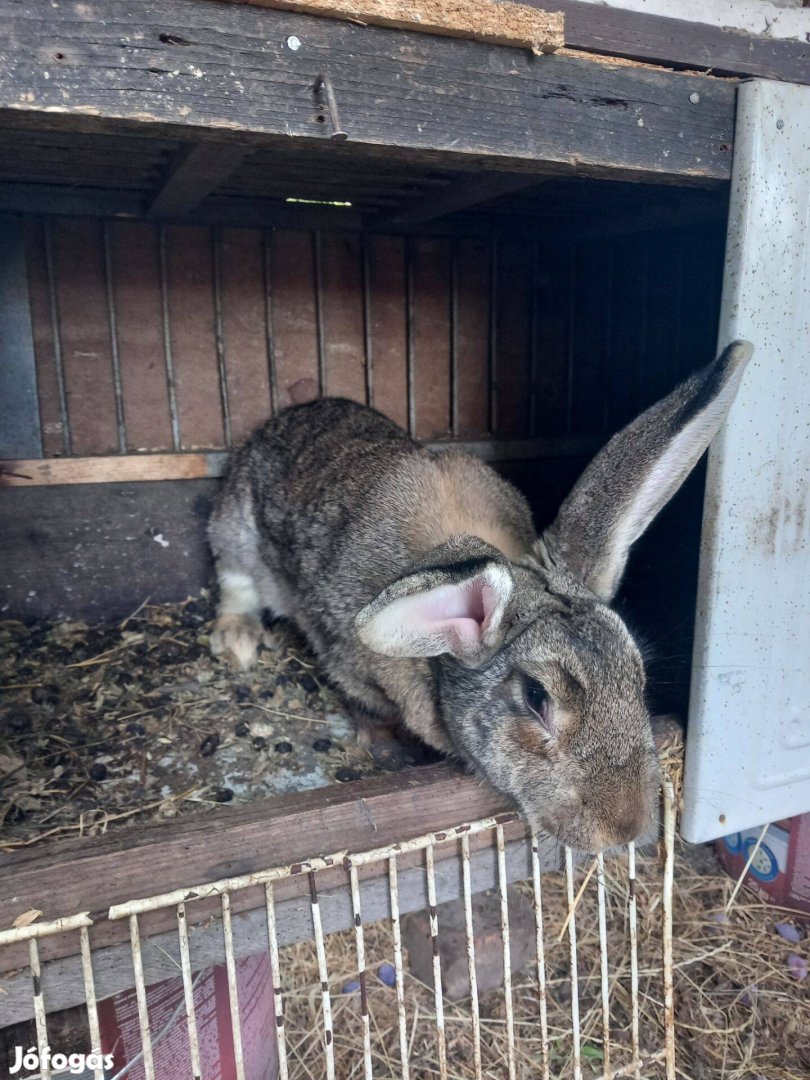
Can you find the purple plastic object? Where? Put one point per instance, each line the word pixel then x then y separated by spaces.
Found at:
pixel 351 987
pixel 797 966
pixel 387 974
pixel 788 932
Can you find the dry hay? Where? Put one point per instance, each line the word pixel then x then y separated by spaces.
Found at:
pixel 740 1014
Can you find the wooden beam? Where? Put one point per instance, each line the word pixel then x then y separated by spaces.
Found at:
pixel 415 96
pixel 479 20
pixel 656 39
pixel 137 468
pixel 86 875
pixel 195 173
pixel 469 191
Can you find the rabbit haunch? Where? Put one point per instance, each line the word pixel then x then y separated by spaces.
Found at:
pixel 428 598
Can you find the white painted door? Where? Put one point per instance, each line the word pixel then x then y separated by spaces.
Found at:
pixel 748 742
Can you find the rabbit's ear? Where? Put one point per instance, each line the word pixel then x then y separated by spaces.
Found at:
pixel 636 474
pixel 456 609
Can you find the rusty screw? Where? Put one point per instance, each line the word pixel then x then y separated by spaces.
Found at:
pixel 323 84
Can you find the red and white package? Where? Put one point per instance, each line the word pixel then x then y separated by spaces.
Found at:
pixel 780 871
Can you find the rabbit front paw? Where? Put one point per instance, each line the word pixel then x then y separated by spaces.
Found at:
pixel 236 638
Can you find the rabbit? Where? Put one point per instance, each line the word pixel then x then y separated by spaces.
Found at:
pixel 429 599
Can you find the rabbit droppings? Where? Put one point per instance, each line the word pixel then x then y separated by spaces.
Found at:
pixel 428 598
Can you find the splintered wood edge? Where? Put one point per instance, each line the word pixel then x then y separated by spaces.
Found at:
pixel 479 20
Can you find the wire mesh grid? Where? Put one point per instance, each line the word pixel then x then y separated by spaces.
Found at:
pixel 556 1050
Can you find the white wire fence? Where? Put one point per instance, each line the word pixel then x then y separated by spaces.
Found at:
pixel 358 1057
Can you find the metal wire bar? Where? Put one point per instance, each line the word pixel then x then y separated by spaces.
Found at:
pixel 44 929
pixel 507 953
pixel 272 938
pixel 188 992
pixel 534 338
pixel 219 334
pixel 268 321
pixel 437 962
pixel 112 318
pixel 666 930
pixel 632 911
pixel 409 339
pixel 541 952
pixel 393 888
pixel 454 338
pixel 323 973
pixel 603 964
pixel 368 343
pixel 475 1014
pixel 140 995
pixel 171 385
pixel 492 359
pixel 279 873
pixel 361 969
pixel 317 267
pixel 572 937
pixel 53 303
pixel 90 998
pixel 39 1009
pixel 233 990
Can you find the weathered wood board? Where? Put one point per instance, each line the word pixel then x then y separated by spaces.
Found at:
pixel 480 20
pixel 219 71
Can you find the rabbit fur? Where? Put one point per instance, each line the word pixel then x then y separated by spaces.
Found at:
pixel 428 598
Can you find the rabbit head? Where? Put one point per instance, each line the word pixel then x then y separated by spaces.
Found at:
pixel 540 684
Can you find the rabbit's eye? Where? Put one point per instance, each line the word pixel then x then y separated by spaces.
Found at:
pixel 537 699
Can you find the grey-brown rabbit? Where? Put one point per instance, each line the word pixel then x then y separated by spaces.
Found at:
pixel 428 598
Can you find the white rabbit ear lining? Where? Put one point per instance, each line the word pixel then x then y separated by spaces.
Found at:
pixel 462 618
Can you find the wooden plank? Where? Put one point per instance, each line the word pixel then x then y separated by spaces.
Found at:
pixel 48 365
pixel 416 96
pixel 656 39
pixel 294 318
pixel 343 317
pixel 552 334
pixel 206 847
pixel 244 329
pixel 466 192
pixel 122 469
pixel 194 174
pixel 479 20
pixel 135 266
pixel 590 339
pixel 84 332
pixel 189 273
pixel 19 408
pixel 512 360
pixel 112 965
pixel 431 338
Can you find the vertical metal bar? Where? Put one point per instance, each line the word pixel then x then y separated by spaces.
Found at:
pixel 233 991
pixel 632 911
pixel 393 886
pixel 454 338
pixel 90 998
pixel 219 334
pixel 493 336
pixel 39 1009
pixel 534 340
pixel 475 1013
pixel 317 262
pixel 437 963
pixel 167 338
pixel 409 342
pixel 644 308
pixel 275 966
pixel 268 320
pixel 541 954
pixel 507 957
pixel 603 964
pixel 323 971
pixel 188 992
pixel 666 904
pixel 113 323
pixel 607 339
pixel 67 437
pixel 361 969
pixel 368 344
pixel 140 995
pixel 572 937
